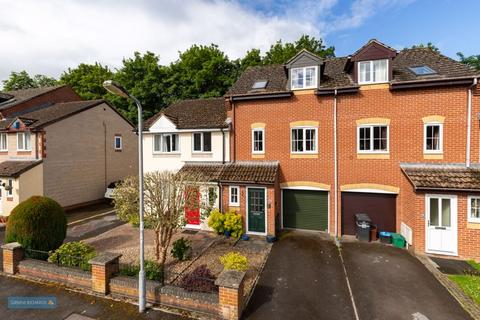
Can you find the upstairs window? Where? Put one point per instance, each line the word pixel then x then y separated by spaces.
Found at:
pixel 3 142
pixel 118 143
pixel 304 140
pixel 258 140
pixel 375 71
pixel 165 143
pixel 373 139
pixel 303 78
pixel 23 141
pixel 202 142
pixel 433 138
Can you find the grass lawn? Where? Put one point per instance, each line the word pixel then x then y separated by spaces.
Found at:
pixel 469 284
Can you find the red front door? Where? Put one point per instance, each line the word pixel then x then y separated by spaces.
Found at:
pixel 192 206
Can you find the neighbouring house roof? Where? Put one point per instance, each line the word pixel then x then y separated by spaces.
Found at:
pixel 55 112
pixel 19 96
pixel 443 176
pixel 194 114
pixel 13 168
pixel 260 172
pixel 337 73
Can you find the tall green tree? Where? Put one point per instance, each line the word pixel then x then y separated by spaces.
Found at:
pixel 87 80
pixel 144 78
pixel 22 80
pixel 201 72
pixel 282 52
pixel 429 45
pixel 473 60
pixel 251 58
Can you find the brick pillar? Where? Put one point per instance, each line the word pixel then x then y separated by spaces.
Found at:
pixel 103 267
pixel 12 255
pixel 230 294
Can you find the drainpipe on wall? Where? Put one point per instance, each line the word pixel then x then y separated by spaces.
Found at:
pixel 469 122
pixel 105 154
pixel 234 127
pixel 223 145
pixel 335 161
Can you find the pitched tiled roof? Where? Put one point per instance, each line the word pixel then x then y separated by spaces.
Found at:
pixel 26 94
pixel 237 172
pixel 56 112
pixel 443 176
pixel 13 168
pixel 442 65
pixel 194 114
pixel 334 75
pixel 275 75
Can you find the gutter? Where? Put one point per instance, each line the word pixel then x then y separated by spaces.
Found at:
pixel 431 83
pixel 262 96
pixel 335 91
pixel 469 122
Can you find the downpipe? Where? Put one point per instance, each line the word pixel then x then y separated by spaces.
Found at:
pixel 469 122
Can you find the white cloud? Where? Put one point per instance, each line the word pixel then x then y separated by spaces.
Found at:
pixel 49 36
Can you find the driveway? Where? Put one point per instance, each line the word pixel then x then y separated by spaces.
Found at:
pixel 304 279
pixel 388 281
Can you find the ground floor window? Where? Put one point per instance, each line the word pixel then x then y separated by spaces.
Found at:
pixel 474 209
pixel 234 196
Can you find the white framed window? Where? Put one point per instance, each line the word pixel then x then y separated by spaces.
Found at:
pixel 23 141
pixel 433 138
pixel 3 142
pixel 202 141
pixel 303 140
pixel 375 71
pixel 372 138
pixel 165 143
pixel 258 140
pixel 10 191
pixel 473 209
pixel 118 143
pixel 304 78
pixel 234 196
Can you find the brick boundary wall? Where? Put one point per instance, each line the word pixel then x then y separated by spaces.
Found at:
pixel 226 304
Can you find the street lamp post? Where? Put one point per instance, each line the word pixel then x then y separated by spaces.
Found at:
pixel 118 90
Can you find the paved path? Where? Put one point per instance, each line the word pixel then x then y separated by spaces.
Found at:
pixel 68 303
pixel 304 279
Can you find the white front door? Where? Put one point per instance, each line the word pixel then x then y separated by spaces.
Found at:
pixel 441 224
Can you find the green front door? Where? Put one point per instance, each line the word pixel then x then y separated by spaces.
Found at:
pixel 305 209
pixel 256 210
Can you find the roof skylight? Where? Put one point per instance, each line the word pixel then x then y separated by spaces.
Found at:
pixel 259 84
pixel 422 70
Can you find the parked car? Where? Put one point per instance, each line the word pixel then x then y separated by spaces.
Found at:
pixel 111 189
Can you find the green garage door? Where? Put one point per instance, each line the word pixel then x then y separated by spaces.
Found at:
pixel 305 209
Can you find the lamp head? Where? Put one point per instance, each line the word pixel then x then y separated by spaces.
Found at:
pixel 116 89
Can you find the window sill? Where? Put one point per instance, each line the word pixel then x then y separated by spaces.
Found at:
pixel 373 86
pixel 118 150
pixel 304 91
pixel 166 153
pixel 303 155
pixel 433 156
pixel 473 225
pixel 9 198
pixel 234 205
pixel 373 155
pixel 258 155
pixel 24 152
pixel 198 153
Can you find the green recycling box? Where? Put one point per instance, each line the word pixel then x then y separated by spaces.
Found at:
pixel 398 240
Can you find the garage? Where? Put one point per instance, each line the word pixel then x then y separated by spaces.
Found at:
pixel 305 209
pixel 380 207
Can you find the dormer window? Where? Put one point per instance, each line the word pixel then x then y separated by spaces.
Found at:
pixel 374 71
pixel 304 78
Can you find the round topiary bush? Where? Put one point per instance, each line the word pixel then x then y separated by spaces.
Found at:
pixel 38 223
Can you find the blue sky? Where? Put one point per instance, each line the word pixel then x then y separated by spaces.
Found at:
pixel 49 36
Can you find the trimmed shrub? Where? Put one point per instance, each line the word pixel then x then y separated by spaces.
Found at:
pixel 234 261
pixel 233 223
pixel 152 270
pixel 38 223
pixel 181 249
pixel 201 280
pixel 216 221
pixel 73 254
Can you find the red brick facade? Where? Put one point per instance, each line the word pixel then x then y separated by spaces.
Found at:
pixel 404 110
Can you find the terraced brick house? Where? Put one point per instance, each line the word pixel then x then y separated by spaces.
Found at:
pixel 394 134
pixel 53 143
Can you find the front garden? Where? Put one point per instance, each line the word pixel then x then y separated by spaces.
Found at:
pixel 470 283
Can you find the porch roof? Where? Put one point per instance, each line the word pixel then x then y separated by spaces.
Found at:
pixel 443 176
pixel 258 172
pixel 14 168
